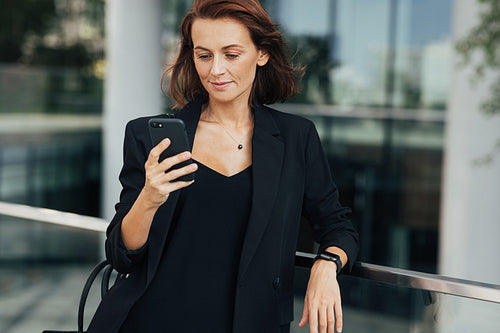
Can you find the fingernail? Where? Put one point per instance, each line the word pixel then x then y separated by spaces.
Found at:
pixel 186 154
pixel 194 167
pixel 165 141
pixel 339 329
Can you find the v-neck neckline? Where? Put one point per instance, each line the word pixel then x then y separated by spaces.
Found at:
pixel 220 173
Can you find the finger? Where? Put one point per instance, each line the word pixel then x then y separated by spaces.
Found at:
pixel 178 185
pixel 338 315
pixel 305 315
pixel 176 173
pixel 323 320
pixel 331 319
pixel 169 162
pixel 313 320
pixel 154 154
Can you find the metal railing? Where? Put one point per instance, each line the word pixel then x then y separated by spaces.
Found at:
pixel 376 273
pixel 53 216
pixel 417 280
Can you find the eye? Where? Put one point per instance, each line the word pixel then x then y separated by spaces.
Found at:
pixel 203 56
pixel 232 55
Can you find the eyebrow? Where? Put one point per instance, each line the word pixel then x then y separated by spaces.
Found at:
pixel 224 48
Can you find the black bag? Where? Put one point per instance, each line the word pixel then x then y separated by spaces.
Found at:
pixel 86 289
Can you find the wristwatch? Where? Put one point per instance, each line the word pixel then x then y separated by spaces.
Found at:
pixel 331 257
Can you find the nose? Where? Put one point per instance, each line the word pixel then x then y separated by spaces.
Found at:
pixel 218 66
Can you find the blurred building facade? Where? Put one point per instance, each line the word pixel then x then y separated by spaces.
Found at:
pixel 400 123
pixel 378 87
pixel 51 91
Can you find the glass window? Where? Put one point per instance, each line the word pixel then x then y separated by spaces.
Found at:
pixel 51 90
pixel 376 87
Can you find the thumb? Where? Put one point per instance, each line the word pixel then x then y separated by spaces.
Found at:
pixel 305 315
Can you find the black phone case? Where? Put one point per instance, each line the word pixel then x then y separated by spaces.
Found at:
pixel 174 129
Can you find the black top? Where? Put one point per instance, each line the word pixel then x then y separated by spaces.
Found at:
pixel 290 178
pixel 200 261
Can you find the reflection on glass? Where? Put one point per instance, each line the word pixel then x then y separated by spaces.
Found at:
pixel 51 74
pixel 375 307
pixel 376 87
pixel 392 53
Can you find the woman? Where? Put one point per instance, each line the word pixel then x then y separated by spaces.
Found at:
pixel 217 254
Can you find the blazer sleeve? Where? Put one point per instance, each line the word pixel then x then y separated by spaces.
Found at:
pixel 132 178
pixel 331 224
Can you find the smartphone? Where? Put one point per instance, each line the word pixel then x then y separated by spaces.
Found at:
pixel 175 130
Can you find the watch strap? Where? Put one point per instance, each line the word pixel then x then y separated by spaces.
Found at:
pixel 325 255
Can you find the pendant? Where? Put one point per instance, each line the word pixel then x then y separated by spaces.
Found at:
pixel 240 146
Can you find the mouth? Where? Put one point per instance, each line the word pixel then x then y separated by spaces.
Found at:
pixel 220 85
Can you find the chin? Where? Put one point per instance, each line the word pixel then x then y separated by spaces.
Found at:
pixel 222 97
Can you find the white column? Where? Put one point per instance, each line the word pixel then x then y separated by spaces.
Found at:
pixel 132 89
pixel 470 211
pixel 470 221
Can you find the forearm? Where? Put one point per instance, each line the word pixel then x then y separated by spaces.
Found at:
pixel 136 224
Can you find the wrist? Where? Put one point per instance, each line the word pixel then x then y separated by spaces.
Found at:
pixel 330 258
pixel 147 202
pixel 322 265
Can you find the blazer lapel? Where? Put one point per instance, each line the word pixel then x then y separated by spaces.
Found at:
pixel 267 160
pixel 191 116
pixel 161 223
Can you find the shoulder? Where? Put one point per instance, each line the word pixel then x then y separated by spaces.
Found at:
pixel 139 126
pixel 189 111
pixel 189 114
pixel 290 123
pixel 143 121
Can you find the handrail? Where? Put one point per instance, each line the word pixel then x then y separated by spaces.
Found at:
pixel 382 274
pixel 53 216
pixel 416 280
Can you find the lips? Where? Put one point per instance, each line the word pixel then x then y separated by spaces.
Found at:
pixel 220 85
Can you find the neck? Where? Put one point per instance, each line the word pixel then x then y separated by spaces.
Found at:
pixel 234 115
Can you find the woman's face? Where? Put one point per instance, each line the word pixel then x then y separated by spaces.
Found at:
pixel 226 59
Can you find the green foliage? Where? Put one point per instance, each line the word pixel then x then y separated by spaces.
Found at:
pixel 315 85
pixel 489 157
pixel 25 25
pixel 75 55
pixel 485 39
pixel 18 19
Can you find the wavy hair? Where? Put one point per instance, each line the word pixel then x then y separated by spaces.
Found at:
pixel 275 81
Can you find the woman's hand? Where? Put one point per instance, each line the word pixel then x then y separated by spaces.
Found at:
pixel 159 183
pixel 157 188
pixel 322 304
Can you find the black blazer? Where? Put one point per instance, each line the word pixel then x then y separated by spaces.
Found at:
pixel 291 177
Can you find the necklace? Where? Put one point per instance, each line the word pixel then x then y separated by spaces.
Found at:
pixel 239 143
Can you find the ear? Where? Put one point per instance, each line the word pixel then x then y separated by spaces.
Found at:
pixel 263 58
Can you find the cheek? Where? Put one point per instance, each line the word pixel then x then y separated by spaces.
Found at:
pixel 201 69
pixel 247 70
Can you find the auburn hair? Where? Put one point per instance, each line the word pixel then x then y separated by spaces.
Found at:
pixel 275 81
